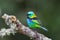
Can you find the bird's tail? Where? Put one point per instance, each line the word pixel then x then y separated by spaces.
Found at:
pixel 44 28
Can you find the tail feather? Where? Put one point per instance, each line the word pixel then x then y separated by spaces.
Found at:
pixel 44 28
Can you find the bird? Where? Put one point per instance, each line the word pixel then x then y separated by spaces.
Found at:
pixel 33 21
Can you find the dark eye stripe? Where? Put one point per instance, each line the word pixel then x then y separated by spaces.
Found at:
pixel 28 14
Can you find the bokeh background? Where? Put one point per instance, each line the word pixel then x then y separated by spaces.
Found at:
pixel 48 11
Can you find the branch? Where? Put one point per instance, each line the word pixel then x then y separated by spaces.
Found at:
pixel 17 26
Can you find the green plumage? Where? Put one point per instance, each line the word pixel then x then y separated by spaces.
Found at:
pixel 33 22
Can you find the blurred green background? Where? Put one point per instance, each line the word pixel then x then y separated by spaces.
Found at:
pixel 48 11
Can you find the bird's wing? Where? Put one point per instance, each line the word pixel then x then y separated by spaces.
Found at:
pixel 38 24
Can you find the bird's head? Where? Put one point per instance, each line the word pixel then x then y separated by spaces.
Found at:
pixel 31 14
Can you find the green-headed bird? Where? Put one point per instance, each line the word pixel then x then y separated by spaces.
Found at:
pixel 33 22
